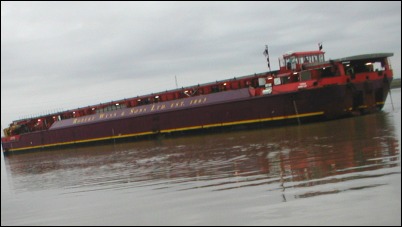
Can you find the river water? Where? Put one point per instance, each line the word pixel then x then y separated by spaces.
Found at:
pixel 343 172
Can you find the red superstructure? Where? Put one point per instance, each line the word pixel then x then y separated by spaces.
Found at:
pixel 306 86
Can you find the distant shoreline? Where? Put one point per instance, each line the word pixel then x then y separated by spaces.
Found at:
pixel 396 83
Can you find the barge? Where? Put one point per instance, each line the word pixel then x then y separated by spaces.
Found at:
pixel 306 87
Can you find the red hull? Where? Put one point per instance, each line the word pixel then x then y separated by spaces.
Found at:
pixel 214 110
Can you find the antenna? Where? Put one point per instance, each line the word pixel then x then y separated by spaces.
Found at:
pixel 175 78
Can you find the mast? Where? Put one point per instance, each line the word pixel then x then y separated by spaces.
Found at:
pixel 267 56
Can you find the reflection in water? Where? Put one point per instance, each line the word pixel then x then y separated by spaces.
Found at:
pixel 292 162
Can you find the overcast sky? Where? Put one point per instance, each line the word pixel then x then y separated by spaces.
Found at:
pixel 64 55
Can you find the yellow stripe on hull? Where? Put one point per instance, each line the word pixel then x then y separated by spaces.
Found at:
pixel 174 130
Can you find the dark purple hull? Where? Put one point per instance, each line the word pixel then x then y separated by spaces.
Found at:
pixel 229 108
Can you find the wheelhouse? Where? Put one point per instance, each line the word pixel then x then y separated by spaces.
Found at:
pixel 294 61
